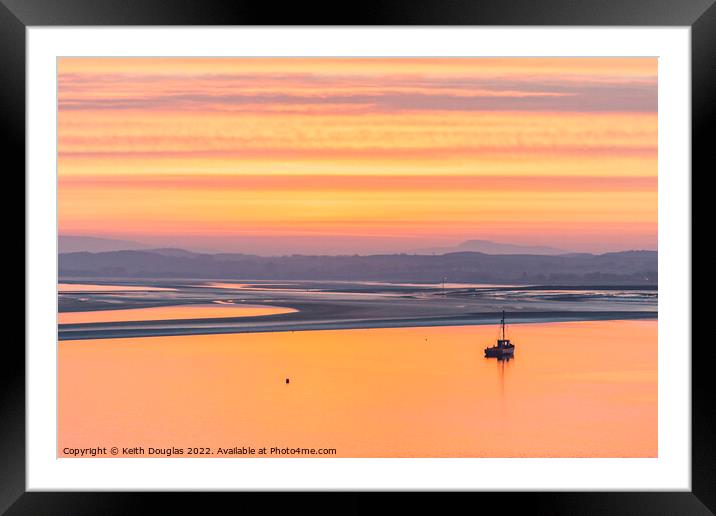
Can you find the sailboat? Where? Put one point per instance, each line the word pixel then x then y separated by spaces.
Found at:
pixel 504 348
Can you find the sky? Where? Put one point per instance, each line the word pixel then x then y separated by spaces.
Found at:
pixel 357 155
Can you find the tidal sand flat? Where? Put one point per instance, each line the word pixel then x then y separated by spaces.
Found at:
pixel 205 307
pixel 574 389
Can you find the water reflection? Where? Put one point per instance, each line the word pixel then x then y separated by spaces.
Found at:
pixel 503 364
pixel 174 312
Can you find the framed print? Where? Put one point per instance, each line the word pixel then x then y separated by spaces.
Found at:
pixel 436 249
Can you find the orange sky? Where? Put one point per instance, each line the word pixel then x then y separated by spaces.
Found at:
pixel 276 156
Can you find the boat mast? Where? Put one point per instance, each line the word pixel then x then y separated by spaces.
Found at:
pixel 503 325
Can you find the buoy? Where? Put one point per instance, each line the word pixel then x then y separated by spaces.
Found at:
pixel 286 380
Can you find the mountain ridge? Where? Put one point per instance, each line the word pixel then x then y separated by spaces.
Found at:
pixel 625 267
pixel 491 247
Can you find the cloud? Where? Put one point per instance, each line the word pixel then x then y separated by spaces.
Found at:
pixel 369 93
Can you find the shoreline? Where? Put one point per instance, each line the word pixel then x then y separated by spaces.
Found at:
pixel 189 327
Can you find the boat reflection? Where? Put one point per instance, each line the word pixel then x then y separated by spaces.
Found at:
pixel 502 367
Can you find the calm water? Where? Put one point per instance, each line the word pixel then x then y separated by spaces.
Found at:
pixel 92 287
pixel 572 390
pixel 166 313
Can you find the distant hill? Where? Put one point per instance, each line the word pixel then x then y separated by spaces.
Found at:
pixel 173 251
pixel 74 244
pixel 489 247
pixel 622 268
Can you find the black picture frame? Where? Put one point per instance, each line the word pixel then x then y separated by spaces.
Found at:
pixel 17 15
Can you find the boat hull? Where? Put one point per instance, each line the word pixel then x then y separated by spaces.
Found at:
pixel 499 352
